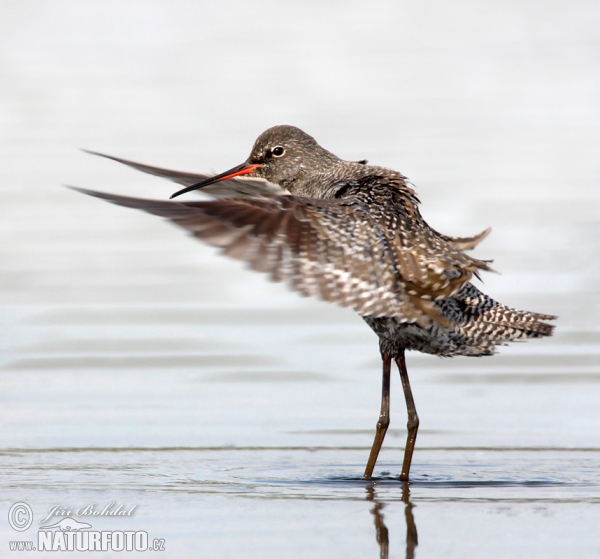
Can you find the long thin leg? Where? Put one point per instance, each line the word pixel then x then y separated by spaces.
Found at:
pixel 413 418
pixel 384 415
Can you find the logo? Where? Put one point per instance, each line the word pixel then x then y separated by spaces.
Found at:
pixel 68 524
pixel 69 534
pixel 20 517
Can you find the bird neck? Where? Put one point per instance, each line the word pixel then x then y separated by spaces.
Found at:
pixel 347 178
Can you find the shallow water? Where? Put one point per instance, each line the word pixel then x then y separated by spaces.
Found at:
pixel 140 368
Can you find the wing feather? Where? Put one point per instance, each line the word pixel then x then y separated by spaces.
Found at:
pixel 325 248
pixel 239 187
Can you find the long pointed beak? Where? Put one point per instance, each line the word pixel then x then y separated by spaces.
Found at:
pixel 243 169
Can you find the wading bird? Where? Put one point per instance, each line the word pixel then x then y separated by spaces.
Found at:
pixel 350 233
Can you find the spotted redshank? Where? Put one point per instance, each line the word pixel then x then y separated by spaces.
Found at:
pixel 350 233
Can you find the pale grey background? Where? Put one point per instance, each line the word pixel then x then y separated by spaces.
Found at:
pixel 117 331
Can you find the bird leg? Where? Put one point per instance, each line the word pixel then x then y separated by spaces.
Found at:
pixel 384 415
pixel 413 418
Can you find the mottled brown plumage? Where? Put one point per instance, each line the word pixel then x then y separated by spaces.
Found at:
pixel 352 234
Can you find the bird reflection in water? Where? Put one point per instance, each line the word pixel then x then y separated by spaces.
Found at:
pixel 381 530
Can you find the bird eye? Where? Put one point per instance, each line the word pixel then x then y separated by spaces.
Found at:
pixel 278 151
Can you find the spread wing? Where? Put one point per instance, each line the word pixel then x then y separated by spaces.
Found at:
pixel 332 249
pixel 240 187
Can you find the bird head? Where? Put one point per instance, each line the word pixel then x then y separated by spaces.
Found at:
pixel 283 155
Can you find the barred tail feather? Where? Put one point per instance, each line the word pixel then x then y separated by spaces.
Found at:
pixel 481 323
